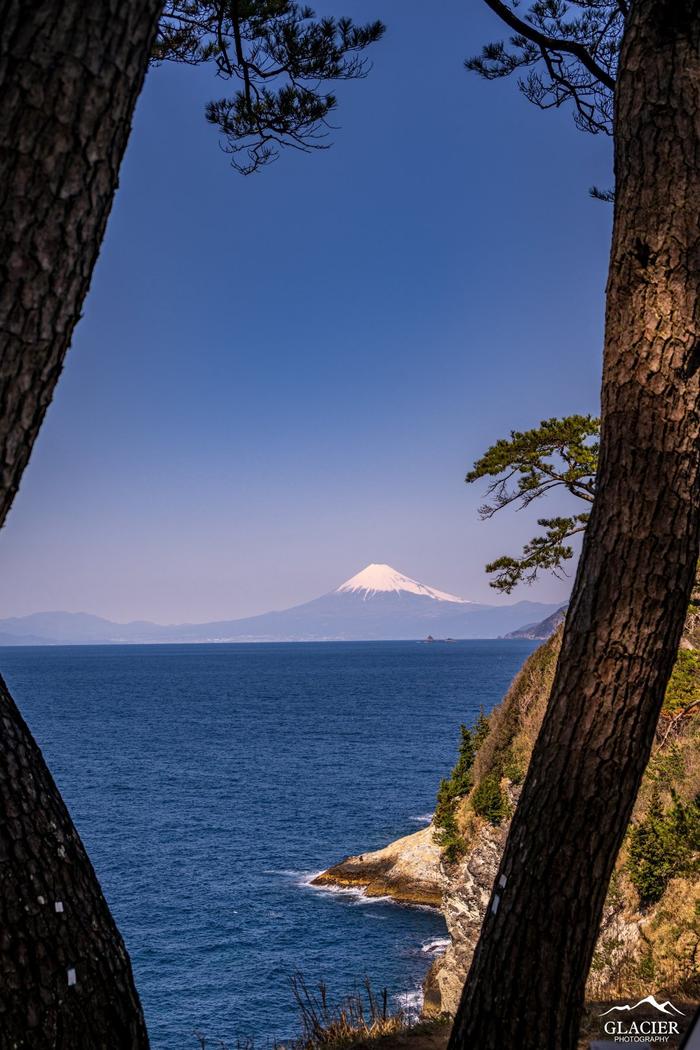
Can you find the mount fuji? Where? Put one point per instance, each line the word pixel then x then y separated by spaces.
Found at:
pixel 377 604
pixel 382 579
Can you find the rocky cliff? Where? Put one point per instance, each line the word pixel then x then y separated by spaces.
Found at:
pixel 466 890
pixel 539 632
pixel 407 870
pixel 650 933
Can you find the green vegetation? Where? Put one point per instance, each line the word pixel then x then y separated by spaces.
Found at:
pixel 659 863
pixel 667 769
pixel 663 845
pixel 448 835
pixel 488 800
pixel 457 786
pixel 280 56
pixel 486 796
pixel 560 453
pixel 684 684
pixel 497 747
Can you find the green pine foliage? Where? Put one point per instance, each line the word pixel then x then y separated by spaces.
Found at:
pixel 662 846
pixel 559 453
pixel 277 57
pixel 448 837
pixel 461 777
pixel 667 769
pixel 488 800
pixel 457 786
pixel 552 77
pixel 481 730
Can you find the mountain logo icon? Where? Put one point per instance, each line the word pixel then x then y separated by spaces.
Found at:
pixel 666 1007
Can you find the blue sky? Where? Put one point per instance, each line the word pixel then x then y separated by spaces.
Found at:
pixel 281 378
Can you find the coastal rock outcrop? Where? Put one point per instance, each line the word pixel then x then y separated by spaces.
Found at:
pixel 407 870
pixel 651 923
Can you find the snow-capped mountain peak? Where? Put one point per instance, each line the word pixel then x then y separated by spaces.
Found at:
pixel 382 579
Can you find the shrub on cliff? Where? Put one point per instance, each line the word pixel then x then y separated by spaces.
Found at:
pixel 673 939
pixel 461 776
pixel 684 684
pixel 456 786
pixel 488 800
pixel 662 846
pixel 513 725
pixel 448 836
pixel 633 951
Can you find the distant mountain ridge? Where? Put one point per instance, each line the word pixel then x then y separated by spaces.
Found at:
pixel 377 604
pixel 542 630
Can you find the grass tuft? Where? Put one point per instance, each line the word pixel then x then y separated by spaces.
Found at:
pixel 359 1016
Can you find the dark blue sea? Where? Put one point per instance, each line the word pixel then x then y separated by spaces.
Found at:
pixel 210 781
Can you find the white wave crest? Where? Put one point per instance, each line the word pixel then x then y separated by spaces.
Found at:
pixel 438 946
pixel 411 1003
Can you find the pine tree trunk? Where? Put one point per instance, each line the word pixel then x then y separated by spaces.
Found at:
pixel 65 976
pixel 526 985
pixel 70 74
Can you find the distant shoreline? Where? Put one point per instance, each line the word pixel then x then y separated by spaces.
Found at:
pixel 41 644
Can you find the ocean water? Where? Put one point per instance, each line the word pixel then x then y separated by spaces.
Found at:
pixel 209 782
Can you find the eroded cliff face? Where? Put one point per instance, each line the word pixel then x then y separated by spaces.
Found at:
pixel 467 883
pixel 466 889
pixel 641 945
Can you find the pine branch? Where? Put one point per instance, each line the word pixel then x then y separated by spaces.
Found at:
pixel 281 54
pixel 547 43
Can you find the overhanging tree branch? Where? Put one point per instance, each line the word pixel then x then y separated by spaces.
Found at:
pixel 547 43
pixel 281 54
pixel 570 50
pixel 560 453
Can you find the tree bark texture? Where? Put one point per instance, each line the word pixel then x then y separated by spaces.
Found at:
pixel 70 74
pixel 526 985
pixel 65 976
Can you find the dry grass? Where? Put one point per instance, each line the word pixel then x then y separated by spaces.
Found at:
pixel 515 722
pixel 359 1016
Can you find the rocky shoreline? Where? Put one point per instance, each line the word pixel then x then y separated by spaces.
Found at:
pixel 639 941
pixel 407 870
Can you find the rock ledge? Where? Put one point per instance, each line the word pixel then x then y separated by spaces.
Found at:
pixel 407 870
